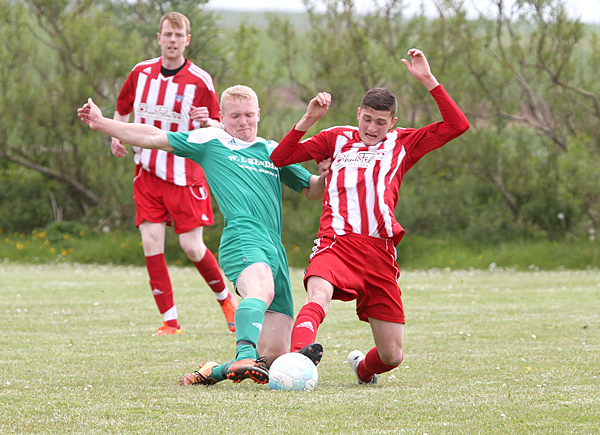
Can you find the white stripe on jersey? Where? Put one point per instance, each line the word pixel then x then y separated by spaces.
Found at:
pixel 160 165
pixel 206 78
pixel 145 160
pixel 352 198
pixel 385 165
pixel 186 106
pixel 337 221
pixel 139 92
pixel 169 102
pixel 146 62
pixel 371 191
pixel 178 170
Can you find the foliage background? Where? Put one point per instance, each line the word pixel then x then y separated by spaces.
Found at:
pixel 526 171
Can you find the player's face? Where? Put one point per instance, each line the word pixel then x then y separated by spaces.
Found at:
pixel 172 41
pixel 373 125
pixel 240 118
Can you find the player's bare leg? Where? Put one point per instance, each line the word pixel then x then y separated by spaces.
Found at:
pixel 274 339
pixel 385 356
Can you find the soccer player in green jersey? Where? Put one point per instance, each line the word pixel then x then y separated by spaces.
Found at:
pixel 247 187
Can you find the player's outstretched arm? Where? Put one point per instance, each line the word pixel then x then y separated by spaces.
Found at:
pixel 290 150
pixel 141 135
pixel 419 68
pixel 317 107
pixel 116 146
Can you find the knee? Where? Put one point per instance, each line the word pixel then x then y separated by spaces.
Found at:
pixel 392 357
pixel 321 294
pixel 194 251
pixel 272 352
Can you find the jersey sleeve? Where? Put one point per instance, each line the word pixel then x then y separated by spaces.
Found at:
pixel 295 177
pixel 127 95
pixel 206 96
pixel 184 147
pixel 290 150
pixel 419 142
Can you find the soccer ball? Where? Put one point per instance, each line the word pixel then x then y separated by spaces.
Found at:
pixel 293 372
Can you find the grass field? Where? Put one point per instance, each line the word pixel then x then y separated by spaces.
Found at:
pixel 487 352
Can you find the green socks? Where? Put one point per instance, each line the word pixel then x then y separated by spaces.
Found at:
pixel 249 319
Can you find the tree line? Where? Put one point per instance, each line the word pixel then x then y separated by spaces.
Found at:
pixel 525 76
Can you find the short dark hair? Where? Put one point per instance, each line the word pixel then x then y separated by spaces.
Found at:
pixel 380 99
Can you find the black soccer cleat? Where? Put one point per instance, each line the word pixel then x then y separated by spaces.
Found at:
pixel 313 352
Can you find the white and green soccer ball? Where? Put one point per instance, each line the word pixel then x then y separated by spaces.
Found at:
pixel 293 372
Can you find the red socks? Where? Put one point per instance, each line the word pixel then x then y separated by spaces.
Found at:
pixel 160 283
pixel 209 269
pixel 306 325
pixel 372 365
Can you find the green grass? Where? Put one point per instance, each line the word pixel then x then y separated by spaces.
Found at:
pixel 70 242
pixel 486 352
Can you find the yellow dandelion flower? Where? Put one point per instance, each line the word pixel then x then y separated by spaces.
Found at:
pixel 66 237
pixel 47 242
pixel 20 245
pixel 34 232
pixel 1 231
pixel 63 252
pixel 7 240
pixel 81 234
pixel 42 234
pixel 22 235
pixel 71 250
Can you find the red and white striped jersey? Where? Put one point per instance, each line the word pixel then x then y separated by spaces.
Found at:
pixel 362 189
pixel 165 102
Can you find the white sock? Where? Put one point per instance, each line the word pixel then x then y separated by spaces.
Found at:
pixel 170 314
pixel 221 296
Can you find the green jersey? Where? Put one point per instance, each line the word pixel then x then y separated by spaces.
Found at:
pixel 240 174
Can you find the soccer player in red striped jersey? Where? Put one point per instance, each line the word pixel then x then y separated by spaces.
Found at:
pixel 354 257
pixel 173 94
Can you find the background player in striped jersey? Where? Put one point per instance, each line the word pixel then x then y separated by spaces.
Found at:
pixel 247 187
pixel 354 257
pixel 173 94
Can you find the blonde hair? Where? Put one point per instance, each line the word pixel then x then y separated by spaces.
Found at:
pixel 238 92
pixel 177 20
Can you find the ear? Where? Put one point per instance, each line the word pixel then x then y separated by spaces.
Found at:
pixel 358 113
pixel 221 115
pixel 393 122
pixel 187 40
pixel 158 37
pixel 258 115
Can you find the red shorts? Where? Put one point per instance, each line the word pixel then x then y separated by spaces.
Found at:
pixel 159 201
pixel 362 268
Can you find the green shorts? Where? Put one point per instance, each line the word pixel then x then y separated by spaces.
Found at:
pixel 245 242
